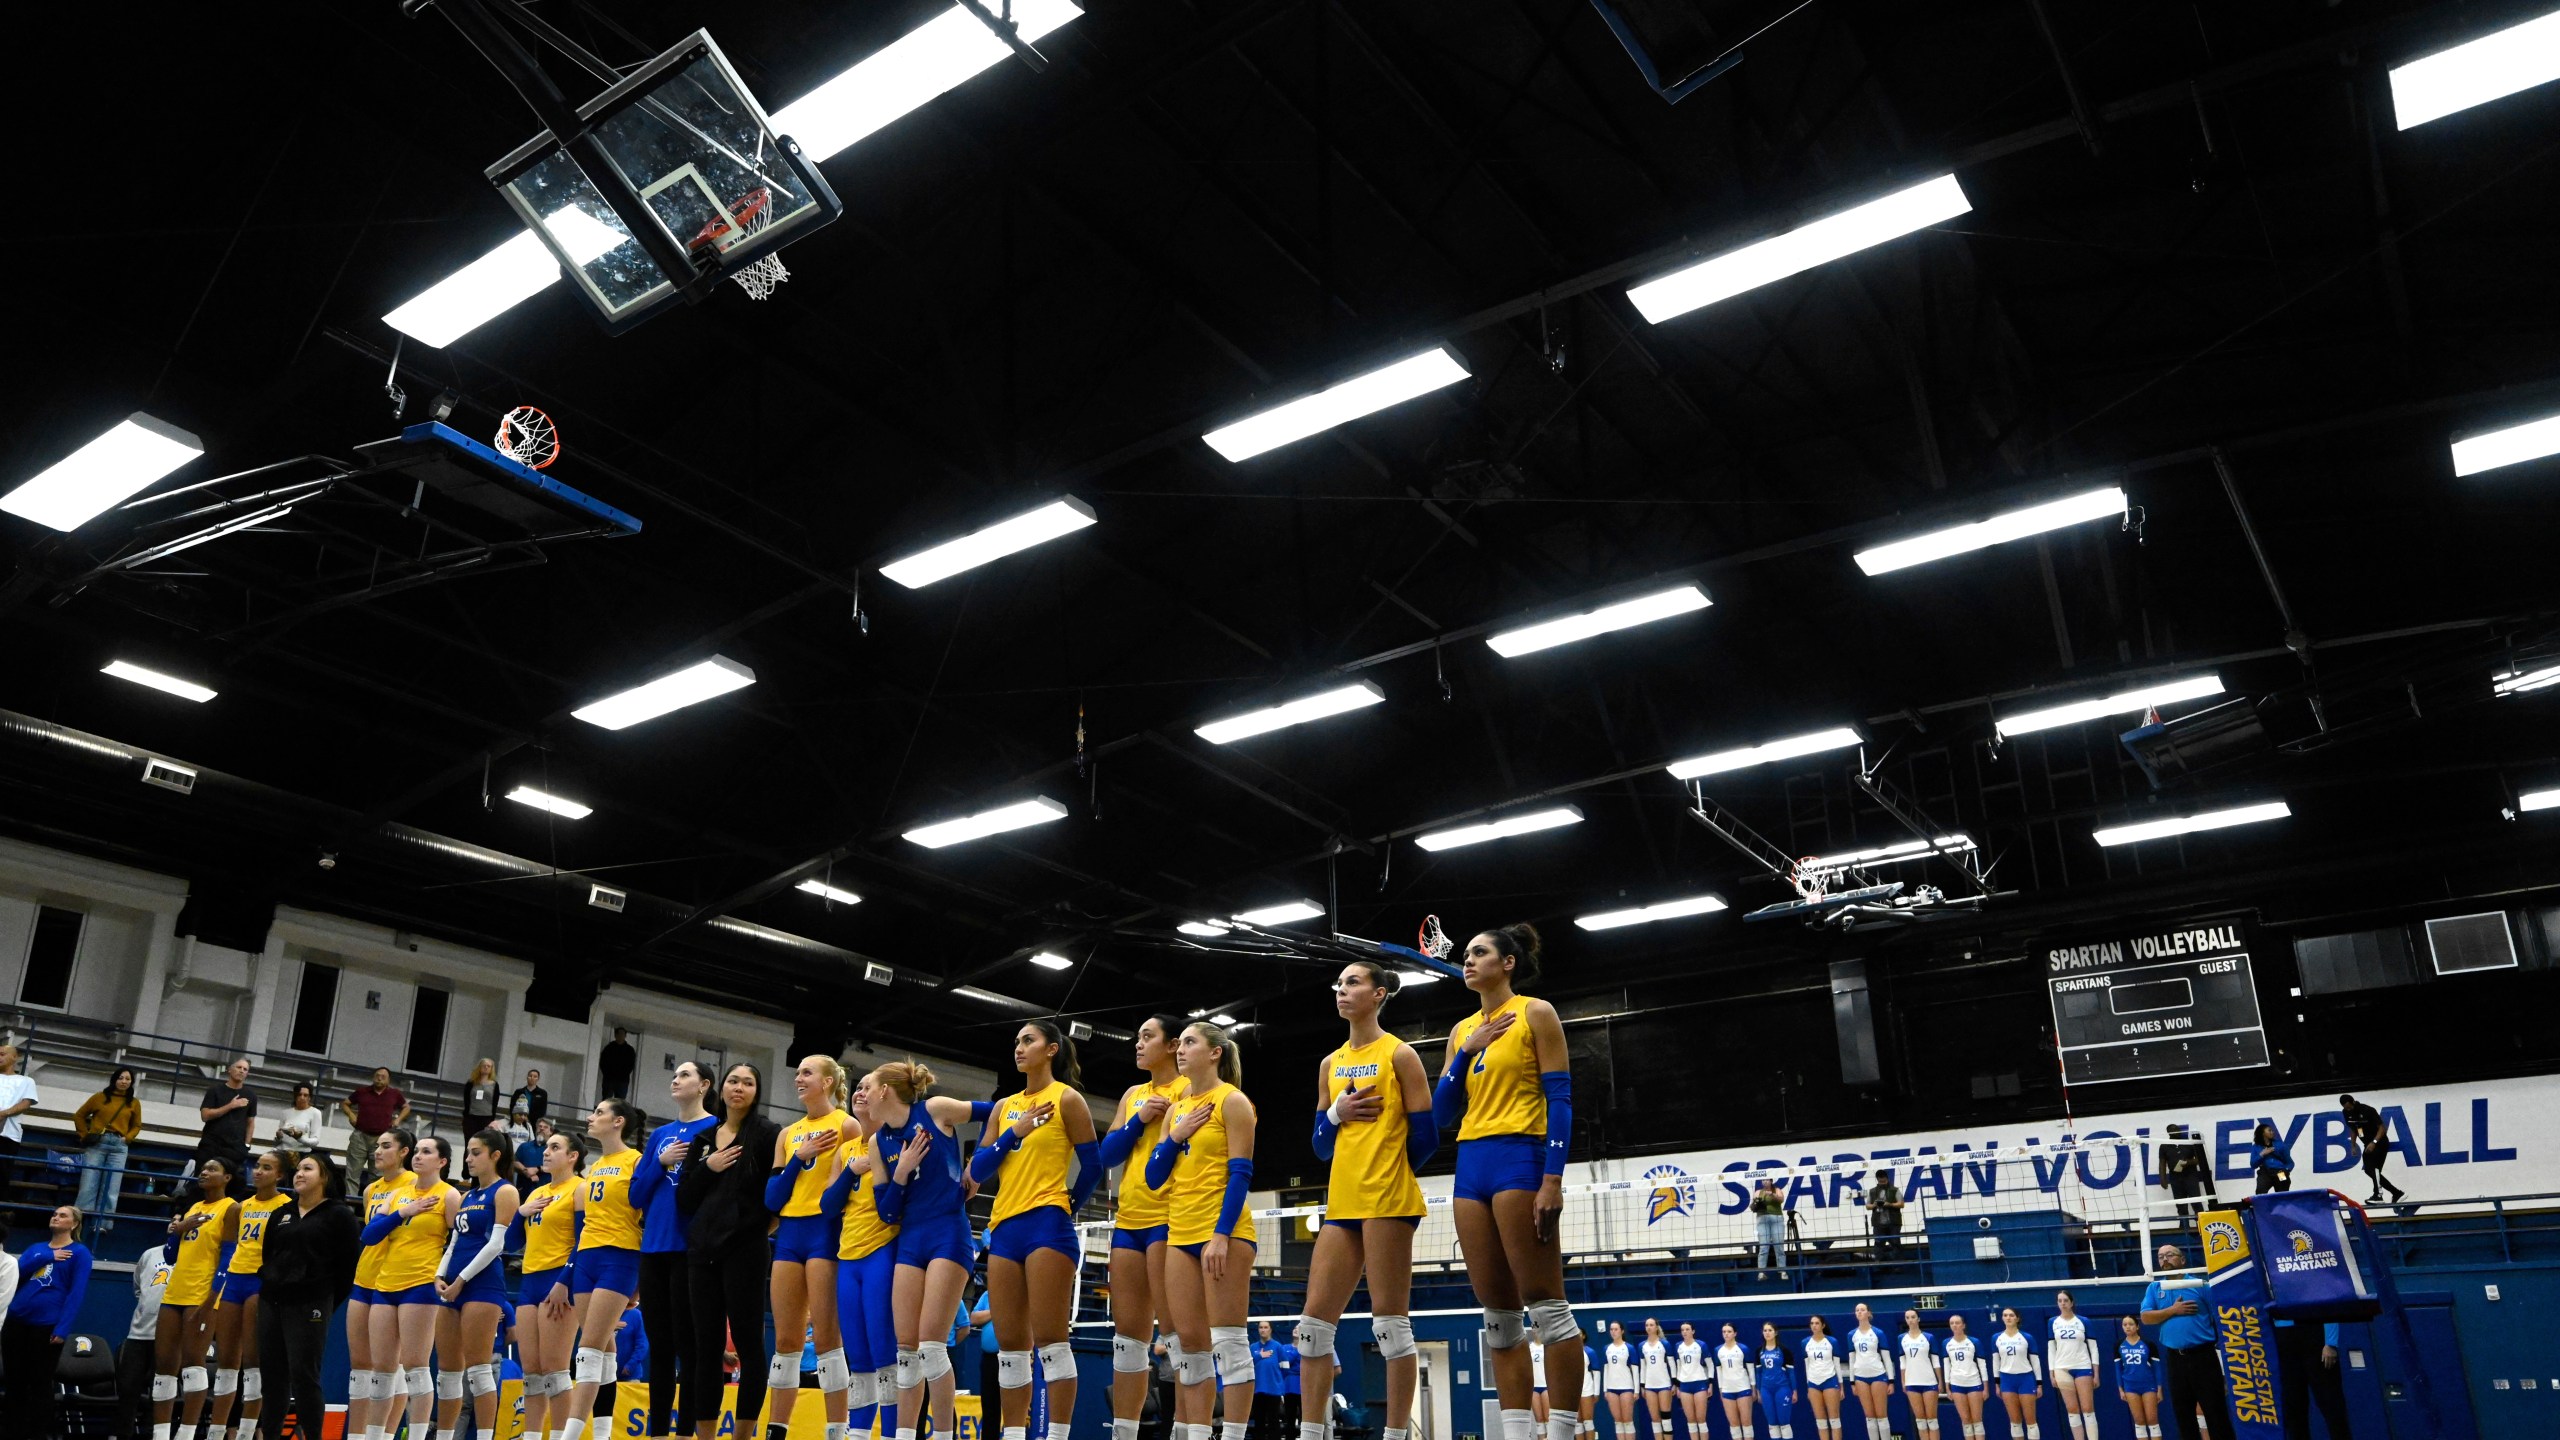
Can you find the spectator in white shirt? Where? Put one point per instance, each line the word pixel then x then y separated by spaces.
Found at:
pixel 17 1097
pixel 298 1133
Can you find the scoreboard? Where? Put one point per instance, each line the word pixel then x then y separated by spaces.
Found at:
pixel 2139 1004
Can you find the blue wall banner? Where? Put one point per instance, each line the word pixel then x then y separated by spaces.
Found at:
pixel 2240 1325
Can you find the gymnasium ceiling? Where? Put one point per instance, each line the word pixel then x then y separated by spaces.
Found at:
pixel 2201 263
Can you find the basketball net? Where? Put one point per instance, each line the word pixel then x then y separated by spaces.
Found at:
pixel 526 436
pixel 1433 941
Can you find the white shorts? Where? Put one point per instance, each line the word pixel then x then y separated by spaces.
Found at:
pixel 1590 1384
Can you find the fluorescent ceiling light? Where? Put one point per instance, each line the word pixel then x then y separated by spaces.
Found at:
pixel 1313 414
pixel 2539 800
pixel 502 279
pixel 989 997
pixel 690 686
pixel 1504 829
pixel 1280 914
pixel 825 891
pixel 1222 1018
pixel 1642 610
pixel 1893 854
pixel 170 684
pixel 565 809
pixel 1038 810
pixel 107 471
pixel 1836 738
pixel 1032 527
pixel 1818 242
pixel 935 57
pixel 1999 529
pixel 1406 979
pixel 1667 910
pixel 925 62
pixel 2189 824
pixel 1052 960
pixel 2512 446
pixel 1296 712
pixel 2477 72
pixel 2123 702
pixel 2519 682
pixel 1205 928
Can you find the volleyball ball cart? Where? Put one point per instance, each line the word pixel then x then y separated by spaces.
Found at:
pixel 2307 1257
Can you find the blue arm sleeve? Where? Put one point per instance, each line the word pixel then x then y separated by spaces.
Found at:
pixel 838 1192
pixel 1120 1144
pixel 1559 1087
pixel 890 1199
pixel 1089 1168
pixel 777 1186
pixel 1449 1097
pixel 979 1110
pixel 1322 1140
pixel 169 1251
pixel 1160 1162
pixel 379 1228
pixel 77 1291
pixel 989 1158
pixel 1231 1208
pixel 1421 1136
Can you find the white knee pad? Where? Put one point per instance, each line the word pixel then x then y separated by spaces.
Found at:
pixel 164 1387
pixel 1195 1369
pixel 862 1390
pixel 1394 1334
pixel 1058 1361
pixel 422 1379
pixel 226 1382
pixel 479 1379
pixel 193 1380
pixel 1235 1357
pixel 832 1371
pixel 594 1367
pixel 1128 1355
pixel 934 1359
pixel 1553 1320
pixel 782 1372
pixel 1313 1336
pixel 1013 1369
pixel 449 1385
pixel 910 1368
pixel 252 1386
pixel 562 1382
pixel 1504 1329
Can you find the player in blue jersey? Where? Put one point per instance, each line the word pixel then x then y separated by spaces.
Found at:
pixel 2138 1380
pixel 472 1283
pixel 1777 1386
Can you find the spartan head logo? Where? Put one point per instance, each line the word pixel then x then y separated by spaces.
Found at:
pixel 2301 1243
pixel 2222 1238
pixel 1674 1192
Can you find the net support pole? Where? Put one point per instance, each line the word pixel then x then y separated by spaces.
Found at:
pixel 2142 1212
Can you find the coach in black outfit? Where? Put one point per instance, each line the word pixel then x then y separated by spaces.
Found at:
pixel 310 1265
pixel 728 1260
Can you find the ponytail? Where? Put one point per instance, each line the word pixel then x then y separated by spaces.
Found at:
pixel 1230 1061
pixel 906 1079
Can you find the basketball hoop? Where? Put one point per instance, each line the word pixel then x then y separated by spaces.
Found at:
pixel 1810 884
pixel 754 211
pixel 526 436
pixel 1431 940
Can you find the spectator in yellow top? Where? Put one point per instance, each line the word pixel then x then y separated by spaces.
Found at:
pixel 106 1124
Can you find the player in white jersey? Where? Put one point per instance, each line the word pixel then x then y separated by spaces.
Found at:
pixel 2020 1373
pixel 1919 1356
pixel 2072 1356
pixel 1653 1375
pixel 1961 1361
pixel 1689 1377
pixel 1538 1402
pixel 1618 1380
pixel 1822 1378
pixel 1870 1373
pixel 1733 1385
pixel 1590 1393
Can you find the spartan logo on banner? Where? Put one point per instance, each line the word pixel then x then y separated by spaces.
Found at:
pixel 2133 1004
pixel 2240 1325
pixel 1670 1190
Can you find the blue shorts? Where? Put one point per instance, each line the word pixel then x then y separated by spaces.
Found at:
pixel 921 1242
pixel 2017 1384
pixel 1142 1239
pixel 1777 1400
pixel 1831 1384
pixel 1355 1223
pixel 362 1295
pixel 1491 1164
pixel 604 1268
pixel 1693 1387
pixel 236 1287
pixel 536 1285
pixel 804 1237
pixel 1620 1390
pixel 1908 1385
pixel 489 1287
pixel 2133 1381
pixel 1046 1228
pixel 1657 1389
pixel 1964 1389
pixel 414 1295
pixel 2065 1372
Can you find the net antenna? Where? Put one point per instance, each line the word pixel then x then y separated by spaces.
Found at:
pixel 1433 941
pixel 527 436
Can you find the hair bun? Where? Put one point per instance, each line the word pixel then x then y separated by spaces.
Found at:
pixel 1525 935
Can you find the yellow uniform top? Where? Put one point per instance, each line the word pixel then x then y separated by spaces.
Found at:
pixel 864 1230
pixel 415 1247
pixel 380 1198
pixel 1035 1174
pixel 550 1235
pixel 612 1223
pixel 199 1255
pixel 810 1187
pixel 1199 1183
pixel 1503 1094
pixel 1371 1174
pixel 251 1252
pixel 1141 1206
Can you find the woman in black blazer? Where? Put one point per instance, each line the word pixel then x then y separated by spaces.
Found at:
pixel 310 1264
pixel 728 1255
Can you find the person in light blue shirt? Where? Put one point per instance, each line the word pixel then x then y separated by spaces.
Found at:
pixel 1273 1378
pixel 2175 1303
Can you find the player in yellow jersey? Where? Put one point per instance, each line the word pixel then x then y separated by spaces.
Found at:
pixel 866 1282
pixel 194 1251
pixel 1373 1121
pixel 1207 1156
pixel 1507 1091
pixel 1138 1226
pixel 806 1157
pixel 235 1322
pixel 545 1328
pixel 409 1225
pixel 374 1383
pixel 1035 1137
pixel 607 1272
